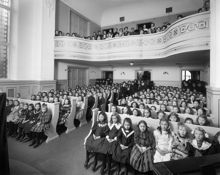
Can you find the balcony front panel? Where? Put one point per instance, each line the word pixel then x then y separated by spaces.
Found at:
pixel 191 33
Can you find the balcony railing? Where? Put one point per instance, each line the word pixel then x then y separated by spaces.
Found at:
pixel 191 33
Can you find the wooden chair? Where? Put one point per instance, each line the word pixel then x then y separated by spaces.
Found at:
pixel 69 123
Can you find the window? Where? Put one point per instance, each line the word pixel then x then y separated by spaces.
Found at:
pixel 186 75
pixel 4 36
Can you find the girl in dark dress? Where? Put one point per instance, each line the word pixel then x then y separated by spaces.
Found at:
pixel 43 124
pixel 33 116
pixel 26 120
pixel 141 154
pixel 63 116
pixel 94 142
pixel 200 145
pixel 122 148
pixel 22 115
pixel 216 143
pixel 108 143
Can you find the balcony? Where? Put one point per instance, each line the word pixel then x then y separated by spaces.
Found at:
pixel 191 33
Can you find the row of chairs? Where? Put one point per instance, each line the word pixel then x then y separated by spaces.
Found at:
pixel 154 114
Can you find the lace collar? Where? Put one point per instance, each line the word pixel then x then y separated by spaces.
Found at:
pixel 102 124
pixel 205 145
pixel 117 125
pixel 127 135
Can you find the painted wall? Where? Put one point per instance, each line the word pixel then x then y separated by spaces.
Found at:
pixel 86 8
pixel 63 9
pixel 62 17
pixel 147 10
pixel 61 70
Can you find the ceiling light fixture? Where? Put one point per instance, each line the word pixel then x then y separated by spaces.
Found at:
pixel 131 63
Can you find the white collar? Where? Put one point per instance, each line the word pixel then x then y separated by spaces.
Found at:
pixel 123 131
pixel 117 125
pixel 205 145
pixel 102 125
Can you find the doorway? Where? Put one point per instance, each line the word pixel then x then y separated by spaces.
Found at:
pixel 190 75
pixel 144 76
pixel 76 76
pixel 107 75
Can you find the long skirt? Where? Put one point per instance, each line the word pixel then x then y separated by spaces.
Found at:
pixel 93 145
pixel 106 147
pixel 141 162
pixel 161 158
pixel 28 126
pixel 40 127
pixel 119 155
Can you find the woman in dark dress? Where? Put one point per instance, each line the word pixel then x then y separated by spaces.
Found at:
pixel 94 142
pixel 122 148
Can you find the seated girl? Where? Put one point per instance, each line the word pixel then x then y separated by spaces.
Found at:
pixel 12 118
pixel 181 143
pixel 141 155
pixel 163 138
pixel 200 145
pixel 22 115
pixel 109 141
pixel 33 117
pixel 25 122
pixel 188 121
pixel 126 110
pixel 216 143
pixel 136 113
pixel 64 112
pixel 43 124
pixel 122 148
pixel 161 115
pixel 80 105
pixel 173 117
pixel 189 111
pixel 147 113
pixel 202 120
pixel 97 134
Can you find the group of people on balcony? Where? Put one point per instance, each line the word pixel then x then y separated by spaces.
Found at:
pixel 115 32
